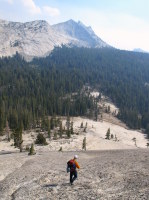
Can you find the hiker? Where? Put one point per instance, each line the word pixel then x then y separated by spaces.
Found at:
pixel 71 167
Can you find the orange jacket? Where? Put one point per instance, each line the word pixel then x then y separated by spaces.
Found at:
pixel 76 163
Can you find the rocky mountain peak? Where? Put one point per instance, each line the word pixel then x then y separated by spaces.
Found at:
pixel 38 38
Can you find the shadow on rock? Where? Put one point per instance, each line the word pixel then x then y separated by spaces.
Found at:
pixel 51 185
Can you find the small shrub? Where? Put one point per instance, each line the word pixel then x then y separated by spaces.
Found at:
pixel 61 149
pixel 41 139
pixel 32 150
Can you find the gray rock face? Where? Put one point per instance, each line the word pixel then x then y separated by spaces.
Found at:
pixel 32 38
pixel 38 38
pixel 104 175
pixel 79 34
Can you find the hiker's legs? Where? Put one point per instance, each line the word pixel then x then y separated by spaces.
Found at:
pixel 75 175
pixel 71 175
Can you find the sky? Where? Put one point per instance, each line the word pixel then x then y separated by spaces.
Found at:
pixel 123 24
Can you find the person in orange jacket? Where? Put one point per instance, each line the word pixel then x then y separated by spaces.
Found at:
pixel 72 165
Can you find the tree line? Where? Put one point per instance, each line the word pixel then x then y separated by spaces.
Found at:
pixel 52 85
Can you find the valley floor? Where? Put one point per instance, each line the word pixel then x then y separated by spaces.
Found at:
pixel 104 175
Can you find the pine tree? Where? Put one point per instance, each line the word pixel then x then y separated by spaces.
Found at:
pixel 96 112
pixel 13 120
pixel 18 139
pixel 49 133
pixel 7 131
pixel 21 137
pixel 68 132
pixel 86 125
pixel 52 123
pixel 60 130
pixel 108 134
pixel 32 150
pixel 147 130
pixel 71 129
pixel 108 109
pixel 1 121
pixel 84 144
pixel 81 126
pixel 68 122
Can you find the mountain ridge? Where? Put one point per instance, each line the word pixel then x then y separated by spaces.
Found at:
pixel 38 38
pixel 139 50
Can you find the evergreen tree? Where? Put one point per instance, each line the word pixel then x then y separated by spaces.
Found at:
pixel 32 150
pixel 18 139
pixel 49 133
pixel 13 120
pixel 52 123
pixel 71 128
pixel 96 112
pixel 7 131
pixel 147 130
pixel 81 125
pixel 84 144
pixel 41 139
pixel 108 134
pixel 60 130
pixel 1 121
pixel 68 132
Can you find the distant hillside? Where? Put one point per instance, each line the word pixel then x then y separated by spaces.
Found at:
pixel 53 85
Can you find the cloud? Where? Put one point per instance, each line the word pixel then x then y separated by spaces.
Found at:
pixel 51 11
pixel 33 9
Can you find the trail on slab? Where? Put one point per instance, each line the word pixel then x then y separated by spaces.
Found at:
pixel 121 174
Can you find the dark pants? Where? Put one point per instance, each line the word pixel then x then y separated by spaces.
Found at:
pixel 73 176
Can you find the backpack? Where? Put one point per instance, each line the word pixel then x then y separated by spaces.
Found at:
pixel 71 166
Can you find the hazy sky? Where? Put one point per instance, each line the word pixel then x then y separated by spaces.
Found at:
pixel 123 24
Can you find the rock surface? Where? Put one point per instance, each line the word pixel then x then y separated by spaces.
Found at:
pixel 104 175
pixel 38 38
